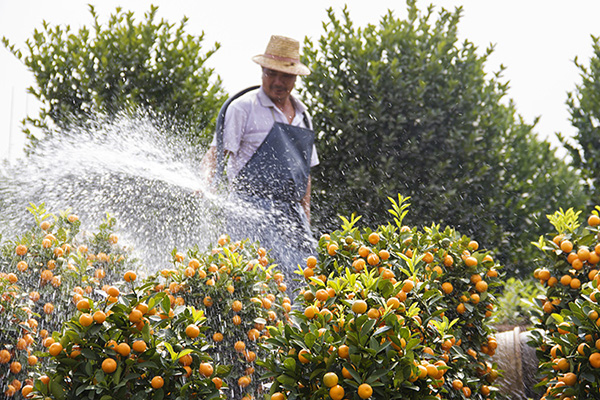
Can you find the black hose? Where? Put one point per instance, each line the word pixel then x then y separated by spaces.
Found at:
pixel 219 135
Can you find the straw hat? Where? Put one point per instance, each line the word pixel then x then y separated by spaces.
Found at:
pixel 283 55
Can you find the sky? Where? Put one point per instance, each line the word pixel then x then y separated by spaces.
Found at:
pixel 536 40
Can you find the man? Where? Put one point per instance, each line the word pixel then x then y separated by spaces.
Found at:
pixel 268 138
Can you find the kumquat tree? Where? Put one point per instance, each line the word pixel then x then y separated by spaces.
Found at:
pixel 241 293
pixel 390 313
pixel 133 346
pixel 40 271
pixel 567 335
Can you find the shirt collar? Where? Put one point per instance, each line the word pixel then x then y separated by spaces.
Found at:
pixel 265 101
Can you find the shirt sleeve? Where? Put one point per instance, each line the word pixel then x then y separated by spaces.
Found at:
pixel 314 160
pixel 235 124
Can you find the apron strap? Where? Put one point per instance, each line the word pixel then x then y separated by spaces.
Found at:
pixel 306 124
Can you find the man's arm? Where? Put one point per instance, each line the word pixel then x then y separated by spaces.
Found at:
pixel 208 168
pixel 306 201
pixel 208 165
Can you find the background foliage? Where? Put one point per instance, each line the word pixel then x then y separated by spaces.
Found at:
pixel 121 65
pixel 403 107
pixel 516 304
pixel 584 105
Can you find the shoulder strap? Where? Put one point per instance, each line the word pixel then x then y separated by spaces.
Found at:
pixel 306 123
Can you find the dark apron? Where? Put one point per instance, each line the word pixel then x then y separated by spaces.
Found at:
pixel 269 189
pixel 280 167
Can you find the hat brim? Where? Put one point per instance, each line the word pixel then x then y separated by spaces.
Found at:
pixel 288 67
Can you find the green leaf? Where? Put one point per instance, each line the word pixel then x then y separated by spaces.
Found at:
pixel 309 340
pixel 80 390
pixel 286 380
pixel 367 327
pixel 557 317
pixel 89 354
pixel 355 375
pixel 223 370
pixel 290 364
pixel 117 374
pixel 172 352
pixel 376 375
pixel 166 305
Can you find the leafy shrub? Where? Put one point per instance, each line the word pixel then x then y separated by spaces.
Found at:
pixel 131 347
pixel 50 263
pixel 241 293
pixel 567 333
pixel 391 313
pixel 13 354
pixel 121 64
pixel 407 105
pixel 516 305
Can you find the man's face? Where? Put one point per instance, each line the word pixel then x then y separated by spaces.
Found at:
pixel 277 85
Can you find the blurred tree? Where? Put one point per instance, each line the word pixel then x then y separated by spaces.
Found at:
pixel 402 107
pixel 584 105
pixel 516 305
pixel 121 67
